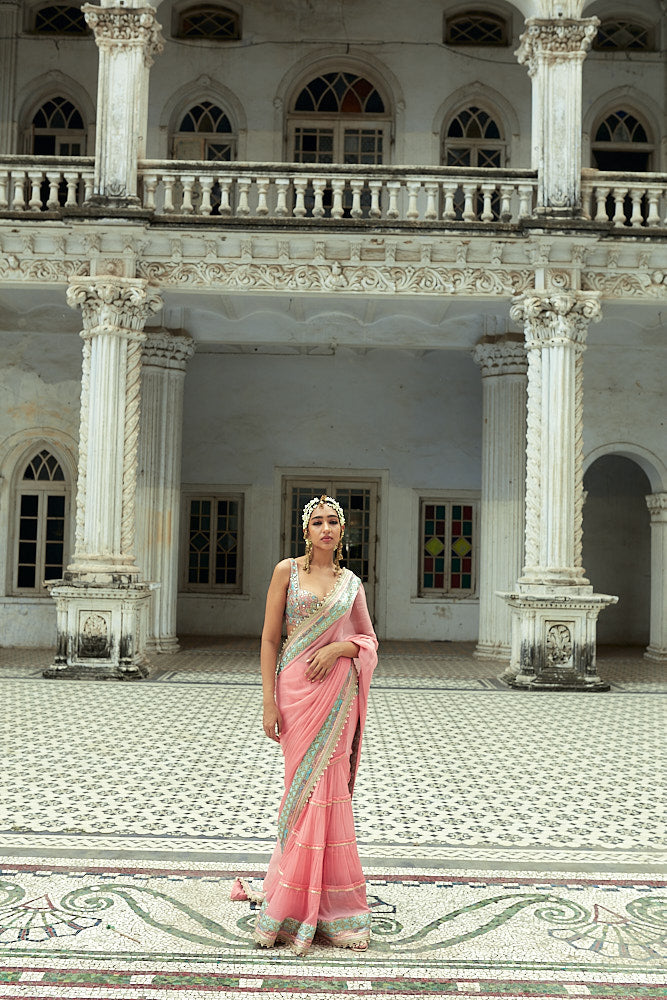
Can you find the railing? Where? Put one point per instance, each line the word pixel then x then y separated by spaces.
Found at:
pixel 34 184
pixel 630 200
pixel 342 193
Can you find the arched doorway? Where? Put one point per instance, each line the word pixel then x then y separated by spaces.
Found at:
pixel 617 547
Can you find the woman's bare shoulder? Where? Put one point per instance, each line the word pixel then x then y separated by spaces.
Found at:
pixel 282 570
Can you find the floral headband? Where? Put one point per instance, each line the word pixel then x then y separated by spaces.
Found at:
pixel 318 502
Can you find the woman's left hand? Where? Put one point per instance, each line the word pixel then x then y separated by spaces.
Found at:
pixel 323 661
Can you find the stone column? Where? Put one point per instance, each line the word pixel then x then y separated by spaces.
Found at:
pixel 503 363
pixel 554 607
pixel 657 648
pixel 10 11
pixel 101 603
pixel 165 356
pixel 554 51
pixel 127 37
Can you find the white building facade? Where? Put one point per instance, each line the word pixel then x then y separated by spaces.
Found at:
pixel 411 255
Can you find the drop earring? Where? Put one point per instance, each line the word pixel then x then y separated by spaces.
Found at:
pixel 309 552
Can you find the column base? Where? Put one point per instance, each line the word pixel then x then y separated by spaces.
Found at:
pixel 100 631
pixel 163 644
pixel 553 640
pixel 656 654
pixel 492 651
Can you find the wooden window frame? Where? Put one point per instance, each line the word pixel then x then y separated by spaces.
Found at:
pixel 42 488
pixel 214 494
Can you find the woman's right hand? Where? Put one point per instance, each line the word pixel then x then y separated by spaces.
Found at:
pixel 271 722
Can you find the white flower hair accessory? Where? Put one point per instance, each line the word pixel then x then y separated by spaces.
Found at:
pixel 318 502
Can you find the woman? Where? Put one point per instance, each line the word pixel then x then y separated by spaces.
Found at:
pixel 315 698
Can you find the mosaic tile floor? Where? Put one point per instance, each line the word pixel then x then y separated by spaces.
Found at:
pixel 512 841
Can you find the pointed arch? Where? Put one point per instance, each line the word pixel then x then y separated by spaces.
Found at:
pixel 204 89
pixel 492 102
pixel 47 87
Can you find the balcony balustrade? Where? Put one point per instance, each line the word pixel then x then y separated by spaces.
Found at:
pixel 630 200
pixel 45 183
pixel 346 195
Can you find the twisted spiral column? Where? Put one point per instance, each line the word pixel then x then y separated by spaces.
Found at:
pixel 114 312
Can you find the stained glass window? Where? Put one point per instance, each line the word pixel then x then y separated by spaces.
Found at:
pixel 620 35
pixel 42 513
pixel 476 27
pixel 210 21
pixel 448 542
pixel 214 543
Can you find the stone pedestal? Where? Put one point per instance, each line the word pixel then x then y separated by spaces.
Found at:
pixel 164 360
pixel 10 13
pixel 101 631
pixel 554 607
pixel 127 38
pixel 101 600
pixel 503 364
pixel 554 50
pixel 657 648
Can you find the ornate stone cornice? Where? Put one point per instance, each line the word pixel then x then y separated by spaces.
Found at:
pixel 166 349
pixel 505 355
pixel 113 305
pixel 124 27
pixel 336 276
pixel 549 40
pixel 556 318
pixel 657 505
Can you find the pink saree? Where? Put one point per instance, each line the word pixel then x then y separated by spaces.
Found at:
pixel 314 882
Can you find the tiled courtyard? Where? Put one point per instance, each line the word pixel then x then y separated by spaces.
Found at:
pixel 512 841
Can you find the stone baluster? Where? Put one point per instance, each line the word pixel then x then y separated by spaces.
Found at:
pixel 10 12
pixel 164 360
pixel 127 38
pixel 554 51
pixel 503 365
pixel 554 608
pixel 657 648
pixel 101 602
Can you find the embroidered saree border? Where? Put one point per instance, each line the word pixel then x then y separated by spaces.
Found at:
pixel 317 757
pixel 335 605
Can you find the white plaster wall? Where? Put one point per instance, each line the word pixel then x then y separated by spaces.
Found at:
pixel 39 389
pixel 413 421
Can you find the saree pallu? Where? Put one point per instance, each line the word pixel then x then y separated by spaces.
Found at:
pixel 314 882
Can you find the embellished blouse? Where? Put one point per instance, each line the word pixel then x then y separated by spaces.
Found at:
pixel 300 604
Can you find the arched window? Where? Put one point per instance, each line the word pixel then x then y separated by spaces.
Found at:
pixel 60 19
pixel 204 133
pixel 219 24
pixel 621 142
pixel 621 35
pixel 473 139
pixel 58 129
pixel 476 27
pixel 339 117
pixel 41 524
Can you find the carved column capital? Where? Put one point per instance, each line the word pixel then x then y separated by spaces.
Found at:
pixel 657 505
pixel 121 27
pixel 552 318
pixel 502 355
pixel 167 349
pixel 114 305
pixel 551 40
